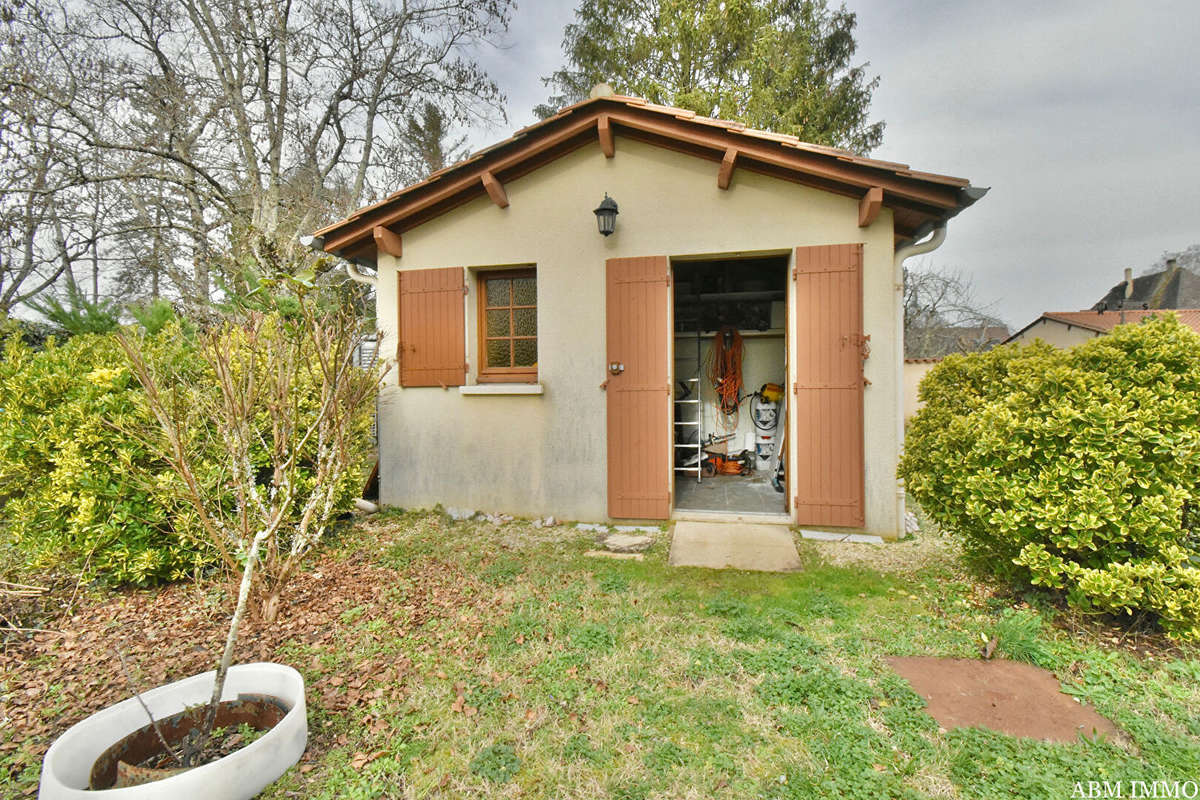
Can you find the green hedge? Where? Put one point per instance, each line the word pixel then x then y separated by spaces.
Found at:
pixel 82 484
pixel 1077 470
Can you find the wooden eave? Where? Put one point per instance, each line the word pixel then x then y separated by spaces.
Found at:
pixel 917 199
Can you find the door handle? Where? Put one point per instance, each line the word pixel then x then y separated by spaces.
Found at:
pixel 615 367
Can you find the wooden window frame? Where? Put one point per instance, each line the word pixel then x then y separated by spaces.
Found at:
pixel 489 374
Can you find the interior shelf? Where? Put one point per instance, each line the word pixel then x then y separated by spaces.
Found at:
pixel 770 333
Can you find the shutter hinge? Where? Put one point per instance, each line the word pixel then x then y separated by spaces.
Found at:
pixel 466 366
pixel 466 289
pixel 795 273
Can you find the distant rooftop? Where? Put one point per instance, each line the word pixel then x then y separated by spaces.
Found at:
pixel 1173 287
pixel 1105 321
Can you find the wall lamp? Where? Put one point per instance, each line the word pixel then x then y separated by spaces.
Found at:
pixel 606 215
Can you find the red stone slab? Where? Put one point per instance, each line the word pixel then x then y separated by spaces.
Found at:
pixel 1006 696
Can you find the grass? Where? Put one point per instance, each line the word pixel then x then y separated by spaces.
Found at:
pixel 590 678
pixel 551 674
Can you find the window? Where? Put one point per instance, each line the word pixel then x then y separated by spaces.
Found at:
pixel 508 326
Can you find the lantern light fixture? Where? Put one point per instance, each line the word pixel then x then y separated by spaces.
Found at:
pixel 606 215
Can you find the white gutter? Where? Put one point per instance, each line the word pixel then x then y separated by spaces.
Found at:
pixel 903 254
pixel 318 244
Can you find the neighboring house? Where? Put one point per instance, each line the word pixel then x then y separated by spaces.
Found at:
pixel 537 357
pixel 1069 328
pixel 915 369
pixel 1173 287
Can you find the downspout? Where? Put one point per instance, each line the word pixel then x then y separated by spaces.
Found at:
pixel 903 254
pixel 317 244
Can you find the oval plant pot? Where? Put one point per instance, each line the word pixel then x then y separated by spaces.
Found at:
pixel 66 769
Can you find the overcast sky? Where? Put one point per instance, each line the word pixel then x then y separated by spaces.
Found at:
pixel 1082 117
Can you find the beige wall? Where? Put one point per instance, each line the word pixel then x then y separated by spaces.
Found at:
pixel 546 454
pixel 1058 334
pixel 914 371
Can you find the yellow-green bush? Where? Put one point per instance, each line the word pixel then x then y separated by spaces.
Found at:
pixel 1077 470
pixel 82 482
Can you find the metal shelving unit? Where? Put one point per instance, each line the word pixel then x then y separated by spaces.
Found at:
pixel 685 426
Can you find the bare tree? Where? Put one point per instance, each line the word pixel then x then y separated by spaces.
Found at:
pixel 943 316
pixel 222 125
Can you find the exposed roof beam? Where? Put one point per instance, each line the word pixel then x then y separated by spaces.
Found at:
pixel 495 189
pixel 769 152
pixel 725 174
pixel 604 128
pixel 869 205
pixel 387 242
pixel 431 196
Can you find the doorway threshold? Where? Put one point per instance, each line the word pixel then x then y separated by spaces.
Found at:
pixel 762 517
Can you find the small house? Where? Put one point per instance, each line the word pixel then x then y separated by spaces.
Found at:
pixel 1068 328
pixel 631 312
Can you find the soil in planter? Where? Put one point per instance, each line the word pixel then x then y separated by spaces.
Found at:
pixel 139 757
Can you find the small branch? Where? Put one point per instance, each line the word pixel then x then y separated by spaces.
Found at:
pixel 153 722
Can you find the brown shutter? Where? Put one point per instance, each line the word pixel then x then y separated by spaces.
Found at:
pixel 639 395
pixel 828 394
pixel 432 346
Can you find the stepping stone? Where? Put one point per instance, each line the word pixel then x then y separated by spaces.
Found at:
pixel 726 545
pixel 627 543
pixel 855 538
pixel 1006 696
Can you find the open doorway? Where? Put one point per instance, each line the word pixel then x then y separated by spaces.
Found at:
pixel 730 351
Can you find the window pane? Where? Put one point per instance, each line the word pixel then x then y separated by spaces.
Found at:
pixel 525 322
pixel 497 322
pixel 498 292
pixel 499 353
pixel 525 352
pixel 525 291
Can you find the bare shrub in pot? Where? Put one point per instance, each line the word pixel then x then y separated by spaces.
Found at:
pixel 291 409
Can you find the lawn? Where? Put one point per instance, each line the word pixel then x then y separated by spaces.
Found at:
pixel 450 659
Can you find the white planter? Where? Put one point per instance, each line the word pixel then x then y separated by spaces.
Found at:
pixel 67 766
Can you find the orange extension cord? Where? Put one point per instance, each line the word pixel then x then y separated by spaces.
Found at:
pixel 724 370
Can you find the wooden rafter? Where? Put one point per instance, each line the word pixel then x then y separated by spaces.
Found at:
pixel 495 189
pixel 725 174
pixel 387 242
pixel 915 197
pixel 607 144
pixel 869 205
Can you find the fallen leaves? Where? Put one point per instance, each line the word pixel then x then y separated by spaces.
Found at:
pixel 176 631
pixel 360 760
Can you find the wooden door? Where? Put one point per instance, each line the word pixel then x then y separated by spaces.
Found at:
pixel 827 398
pixel 639 394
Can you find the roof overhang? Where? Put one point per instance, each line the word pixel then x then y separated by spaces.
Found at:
pixel 919 201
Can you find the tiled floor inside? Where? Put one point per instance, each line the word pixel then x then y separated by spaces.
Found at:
pixel 746 493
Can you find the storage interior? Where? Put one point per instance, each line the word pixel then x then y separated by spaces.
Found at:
pixel 713 299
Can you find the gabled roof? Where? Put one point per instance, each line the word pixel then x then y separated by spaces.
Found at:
pixel 1105 321
pixel 919 200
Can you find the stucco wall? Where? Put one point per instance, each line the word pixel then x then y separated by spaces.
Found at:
pixel 546 454
pixel 1055 333
pixel 914 371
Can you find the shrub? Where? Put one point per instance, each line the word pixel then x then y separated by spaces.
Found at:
pixel 1077 470
pixel 85 482
pixel 80 486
